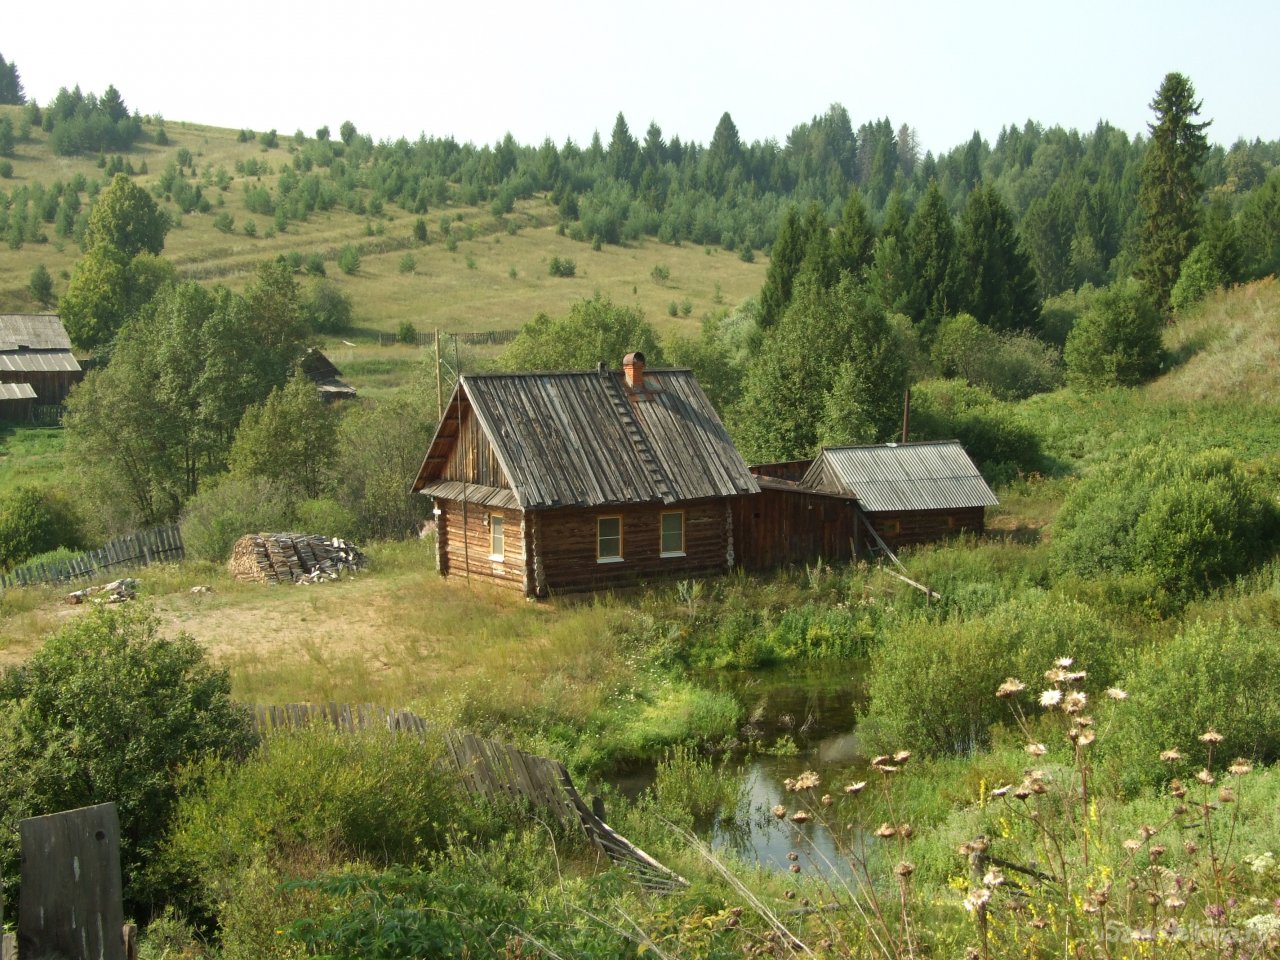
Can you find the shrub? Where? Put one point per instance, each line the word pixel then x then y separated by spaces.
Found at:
pixel 110 710
pixel 1118 340
pixel 1200 275
pixel 932 686
pixel 349 259
pixel 32 522
pixel 228 508
pixel 1222 675
pixel 661 273
pixel 1012 366
pixel 1189 521
pixel 224 222
pixel 991 431
pixel 327 308
pixel 407 332
pixel 559 267
pixel 408 264
pixel 315 265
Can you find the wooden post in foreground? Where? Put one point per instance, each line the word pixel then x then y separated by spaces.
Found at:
pixel 70 903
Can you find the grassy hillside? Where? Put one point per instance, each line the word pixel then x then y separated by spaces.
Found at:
pixel 495 278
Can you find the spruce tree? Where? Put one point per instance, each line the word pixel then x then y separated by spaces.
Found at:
pixel 1171 187
pixel 10 84
pixel 784 263
pixel 994 277
pixel 931 253
pixel 854 243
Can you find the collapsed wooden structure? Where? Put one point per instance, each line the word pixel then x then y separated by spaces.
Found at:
pixel 293 558
pixel 557 482
pixel 320 370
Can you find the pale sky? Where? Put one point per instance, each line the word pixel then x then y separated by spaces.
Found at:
pixel 565 68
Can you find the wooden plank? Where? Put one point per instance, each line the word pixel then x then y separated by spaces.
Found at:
pixel 70 901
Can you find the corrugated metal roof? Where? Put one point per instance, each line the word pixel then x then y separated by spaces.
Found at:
pixel 903 476
pixel 39 361
pixel 32 331
pixel 17 391
pixel 585 439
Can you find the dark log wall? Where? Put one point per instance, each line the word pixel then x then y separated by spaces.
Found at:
pixel 777 528
pixel 463 536
pixel 51 386
pixel 565 542
pixel 472 458
pixel 901 529
pixel 15 411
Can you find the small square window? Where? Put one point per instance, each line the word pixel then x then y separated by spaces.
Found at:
pixel 497 538
pixel 672 534
pixel 608 539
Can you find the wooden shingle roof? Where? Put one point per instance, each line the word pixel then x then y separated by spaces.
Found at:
pixel 933 475
pixel 586 439
pixel 35 342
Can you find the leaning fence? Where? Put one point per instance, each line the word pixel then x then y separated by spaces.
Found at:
pixel 488 768
pixel 156 545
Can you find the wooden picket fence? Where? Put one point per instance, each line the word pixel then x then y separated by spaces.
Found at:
pixel 488 768
pixel 156 545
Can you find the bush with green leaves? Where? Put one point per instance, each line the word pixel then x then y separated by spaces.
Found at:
pixel 1011 365
pixel 993 433
pixel 932 685
pixel 379 450
pixel 1117 341
pixel 230 507
pixel 110 709
pixel 34 521
pixel 1221 675
pixel 1199 276
pixel 349 259
pixel 1189 521
pixel 562 267
pixel 326 307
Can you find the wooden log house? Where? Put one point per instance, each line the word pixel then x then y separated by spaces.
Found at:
pixel 558 482
pixel 35 349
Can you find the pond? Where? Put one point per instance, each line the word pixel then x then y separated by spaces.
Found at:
pixel 796 719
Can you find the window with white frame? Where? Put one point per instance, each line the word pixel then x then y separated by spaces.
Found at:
pixel 497 538
pixel 672 544
pixel 608 539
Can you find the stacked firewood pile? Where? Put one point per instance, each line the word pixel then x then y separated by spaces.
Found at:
pixel 293 558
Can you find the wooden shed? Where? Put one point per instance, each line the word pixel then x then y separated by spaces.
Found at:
pixel 16 401
pixel 35 349
pixel 909 492
pixel 320 370
pixel 568 481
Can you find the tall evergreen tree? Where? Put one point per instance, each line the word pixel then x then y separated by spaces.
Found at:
pixel 931 253
pixel 854 243
pixel 994 277
pixel 784 263
pixel 10 84
pixel 623 150
pixel 1171 187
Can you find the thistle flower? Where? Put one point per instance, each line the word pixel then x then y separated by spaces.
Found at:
pixel 1173 755
pixel 1115 693
pixel 779 811
pixel 1036 749
pixel 1177 788
pixel 827 800
pixel 806 781
pixel 1132 845
pixel 1226 795
pixel 1001 791
pixel 978 898
pixel 793 856
pixel 886 830
pixel 1210 736
pixel 1010 688
pixel 904 869
pixel 1064 662
pixel 854 789
pixel 1074 701
pixel 901 756
pixel 1056 675
pixel 993 878
pixel 1205 777
pixel 1086 738
pixel 1239 767
pixel 801 816
pixel 1075 676
pixel 1050 698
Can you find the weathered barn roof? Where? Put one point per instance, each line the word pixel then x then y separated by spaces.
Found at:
pixel 586 439
pixel 32 331
pixel 35 342
pixel 327 378
pixel 17 391
pixel 934 475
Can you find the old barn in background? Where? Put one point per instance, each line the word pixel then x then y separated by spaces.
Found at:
pixel 35 350
pixel 553 482
pixel 320 370
pixel 909 493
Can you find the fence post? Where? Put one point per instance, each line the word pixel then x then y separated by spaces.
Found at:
pixel 71 901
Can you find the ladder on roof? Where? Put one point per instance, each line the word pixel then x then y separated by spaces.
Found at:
pixel 636 436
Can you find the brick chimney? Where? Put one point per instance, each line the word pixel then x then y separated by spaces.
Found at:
pixel 633 370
